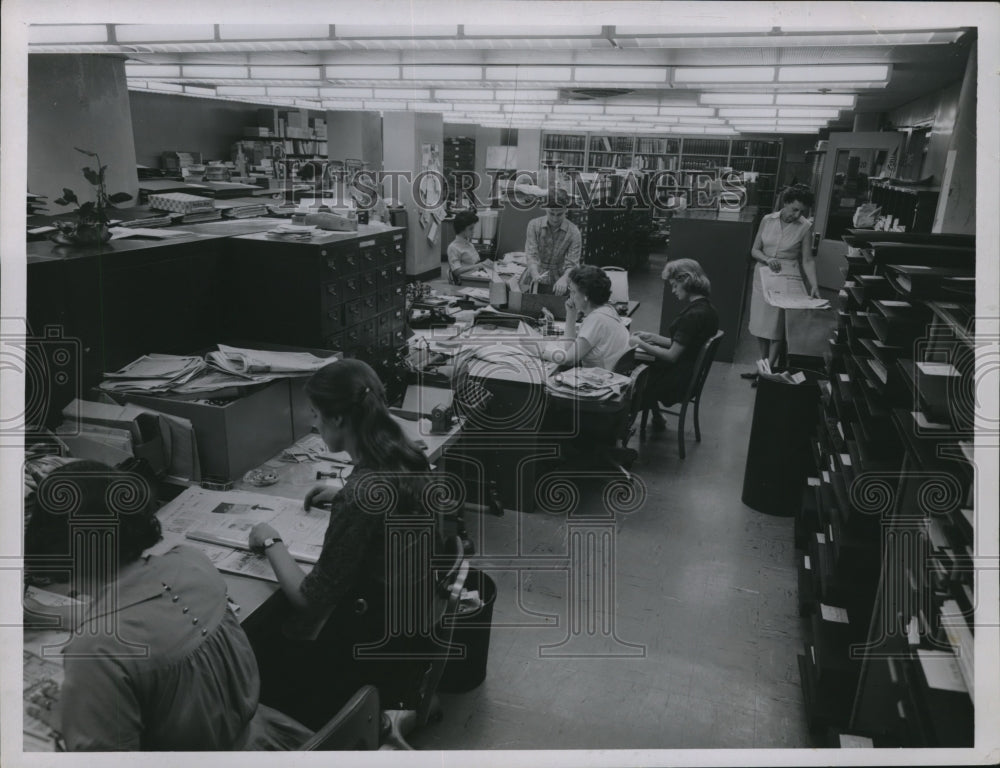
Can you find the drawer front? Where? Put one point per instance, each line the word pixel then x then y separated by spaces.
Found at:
pixel 351 340
pixel 334 341
pixel 342 291
pixel 384 322
pixel 384 277
pixel 369 306
pixel 333 320
pixel 353 312
pixel 398 274
pixel 399 248
pixel 368 255
pixel 368 282
pixel 369 332
pixel 339 262
pixel 385 299
pixel 386 254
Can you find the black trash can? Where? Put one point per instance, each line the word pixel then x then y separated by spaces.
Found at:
pixel 779 458
pixel 471 631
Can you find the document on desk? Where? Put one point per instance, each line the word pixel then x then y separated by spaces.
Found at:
pixel 225 518
pixel 42 681
pixel 788 292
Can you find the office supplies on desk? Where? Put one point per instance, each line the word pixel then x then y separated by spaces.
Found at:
pixel 180 202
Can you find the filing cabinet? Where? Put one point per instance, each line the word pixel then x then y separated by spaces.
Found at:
pixel 345 293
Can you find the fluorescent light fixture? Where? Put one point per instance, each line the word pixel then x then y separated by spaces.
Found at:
pixel 69 33
pixel 396 30
pixel 844 100
pixel 701 120
pixel 442 72
pixel 746 99
pixel 135 33
pixel 688 111
pixel 241 90
pixel 611 110
pixel 361 72
pixel 520 109
pixel 773 129
pixel 620 74
pixel 672 31
pixel 169 87
pixel 526 94
pixel 346 93
pixel 274 90
pixel 402 93
pixel 478 107
pixel 347 105
pixel 285 73
pixel 469 94
pixel 824 74
pixel 529 30
pixel 829 113
pixel 194 90
pixel 273 31
pixel 561 75
pixel 748 112
pixel 724 74
pixel 772 121
pixel 307 103
pixel 428 106
pixel 577 109
pixel 389 105
pixel 212 72
pixel 152 70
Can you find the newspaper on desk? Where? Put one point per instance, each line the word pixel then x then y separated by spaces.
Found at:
pixel 588 383
pixel 219 523
pixel 788 292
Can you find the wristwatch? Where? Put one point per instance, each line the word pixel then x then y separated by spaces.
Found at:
pixel 270 542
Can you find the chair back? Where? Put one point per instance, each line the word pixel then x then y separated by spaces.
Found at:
pixel 637 385
pixel 625 363
pixel 355 727
pixel 619 283
pixel 701 367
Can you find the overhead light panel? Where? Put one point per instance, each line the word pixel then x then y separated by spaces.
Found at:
pixel 818 112
pixel 724 74
pixel 292 91
pixel 360 72
pixel 688 111
pixel 577 109
pixel 526 94
pixel 152 70
pixel 442 72
pixel 195 90
pixel 612 110
pixel 387 105
pixel 561 75
pixel 529 30
pixel 726 99
pixel 396 30
pixel 285 73
pixel 844 100
pixel 150 33
pixel 273 31
pixel 620 74
pixel 346 93
pixel 824 74
pixel 748 112
pixel 346 104
pixel 402 93
pixel 429 106
pixel 469 94
pixel 241 90
pixel 214 72
pixel 67 33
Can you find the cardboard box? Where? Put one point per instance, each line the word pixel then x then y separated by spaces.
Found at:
pixel 238 435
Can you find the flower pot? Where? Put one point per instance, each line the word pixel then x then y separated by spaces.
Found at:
pixel 83 234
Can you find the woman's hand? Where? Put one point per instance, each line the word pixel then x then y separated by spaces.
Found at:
pixel 258 534
pixel 638 339
pixel 561 286
pixel 570 310
pixel 774 264
pixel 486 263
pixel 814 292
pixel 320 496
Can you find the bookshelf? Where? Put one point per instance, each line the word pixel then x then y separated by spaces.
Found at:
pixel 567 150
pixel 885 532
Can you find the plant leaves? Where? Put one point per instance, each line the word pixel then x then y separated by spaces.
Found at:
pixel 91 175
pixel 86 208
pixel 60 201
pixel 84 151
pixel 69 196
pixel 119 197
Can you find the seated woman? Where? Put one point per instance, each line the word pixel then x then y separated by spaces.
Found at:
pixel 602 337
pixel 159 661
pixel 343 600
pixel 462 254
pixel 675 356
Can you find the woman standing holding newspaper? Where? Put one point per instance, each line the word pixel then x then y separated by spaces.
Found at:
pixel 783 243
pixel 342 602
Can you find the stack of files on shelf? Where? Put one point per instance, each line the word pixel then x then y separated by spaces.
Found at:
pixel 939 697
pixel 922 282
pixel 149 222
pixel 931 255
pixel 898 323
pixel 242 207
pixel 868 288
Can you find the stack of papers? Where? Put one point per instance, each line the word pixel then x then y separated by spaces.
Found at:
pixel 293 232
pixel 590 383
pixel 153 373
pixel 788 292
pixel 247 362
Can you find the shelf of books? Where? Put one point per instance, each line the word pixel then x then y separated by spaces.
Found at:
pixel 885 534
pixel 569 151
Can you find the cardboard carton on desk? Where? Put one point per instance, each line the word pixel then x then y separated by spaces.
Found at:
pixel 236 435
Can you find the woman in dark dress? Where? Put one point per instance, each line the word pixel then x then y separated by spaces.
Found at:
pixel 675 355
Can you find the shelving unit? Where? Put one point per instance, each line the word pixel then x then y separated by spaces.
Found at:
pixel 913 206
pixel 459 157
pixel 567 150
pixel 885 532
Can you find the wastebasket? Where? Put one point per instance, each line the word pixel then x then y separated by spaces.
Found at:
pixel 779 458
pixel 471 632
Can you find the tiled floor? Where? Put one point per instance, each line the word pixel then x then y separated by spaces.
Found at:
pixel 697 649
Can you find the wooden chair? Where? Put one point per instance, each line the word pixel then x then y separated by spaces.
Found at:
pixel 357 726
pixel 399 723
pixel 693 394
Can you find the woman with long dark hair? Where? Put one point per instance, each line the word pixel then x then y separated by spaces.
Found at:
pixel 342 601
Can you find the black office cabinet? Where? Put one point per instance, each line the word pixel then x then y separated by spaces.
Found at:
pixel 345 293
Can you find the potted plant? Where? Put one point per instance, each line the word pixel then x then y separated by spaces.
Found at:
pixel 91 225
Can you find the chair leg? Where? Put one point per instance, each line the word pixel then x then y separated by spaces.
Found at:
pixel 680 430
pixel 697 426
pixel 642 421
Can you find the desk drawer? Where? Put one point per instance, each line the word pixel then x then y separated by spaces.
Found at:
pixel 338 263
pixel 384 277
pixel 353 312
pixel 369 306
pixel 332 320
pixel 342 291
pixel 389 298
pixel 386 254
pixel 398 273
pixel 369 332
pixel 368 255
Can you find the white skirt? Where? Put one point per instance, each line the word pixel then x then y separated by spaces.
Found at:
pixel 766 321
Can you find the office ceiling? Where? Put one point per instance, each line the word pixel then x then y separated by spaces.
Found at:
pixel 628 78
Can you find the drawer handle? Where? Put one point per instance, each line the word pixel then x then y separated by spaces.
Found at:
pixel 332 290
